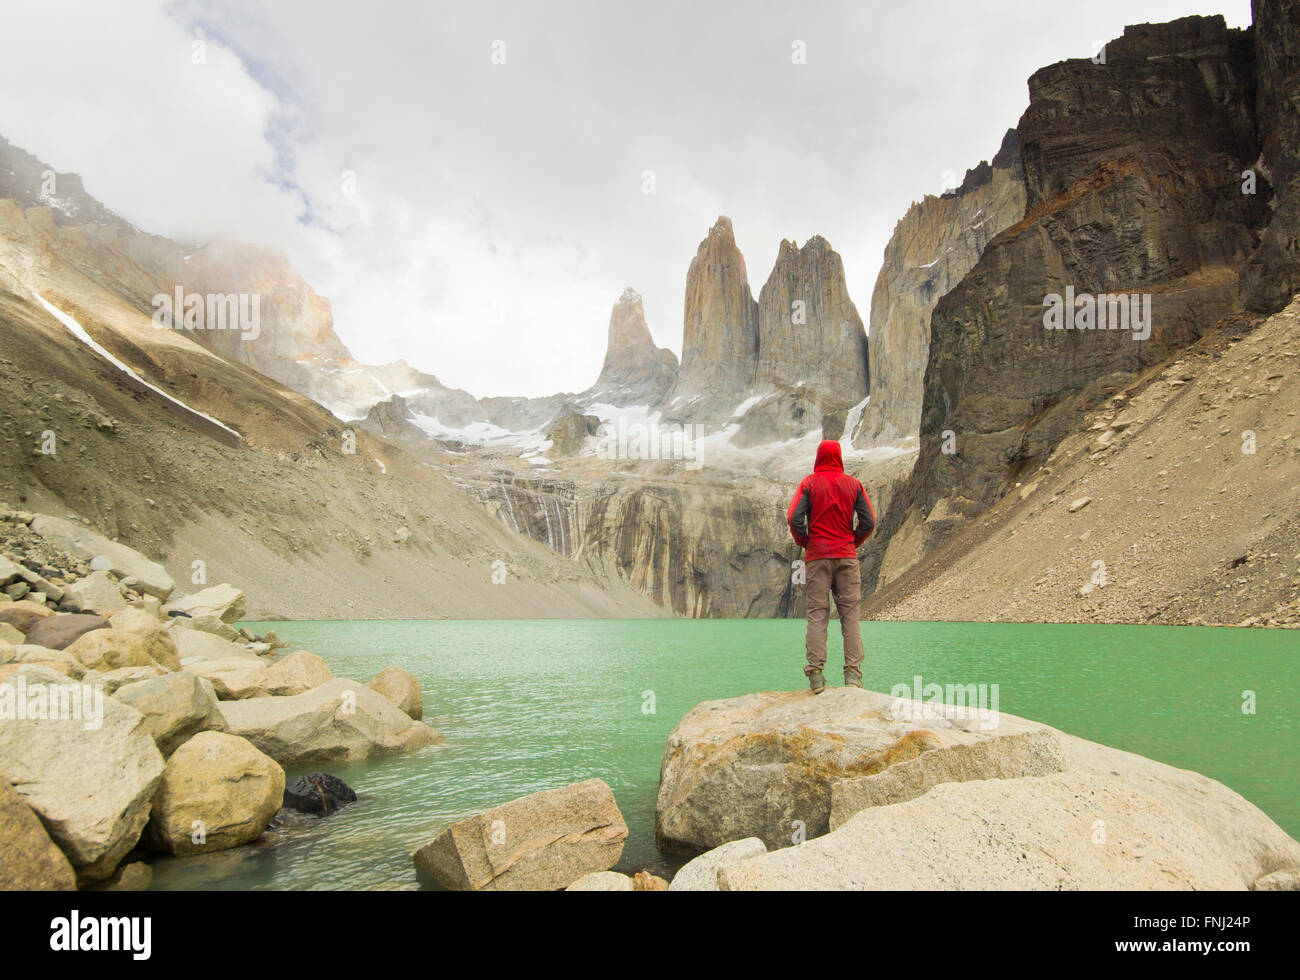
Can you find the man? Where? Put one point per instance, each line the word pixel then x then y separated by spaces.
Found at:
pixel 821 519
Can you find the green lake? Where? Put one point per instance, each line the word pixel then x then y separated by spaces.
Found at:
pixel 531 705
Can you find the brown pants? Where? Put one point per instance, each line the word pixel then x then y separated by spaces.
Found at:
pixel 843 577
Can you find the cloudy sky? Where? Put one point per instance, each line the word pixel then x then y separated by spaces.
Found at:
pixel 498 154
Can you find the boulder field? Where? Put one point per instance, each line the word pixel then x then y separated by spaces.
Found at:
pixel 859 790
pixel 133 718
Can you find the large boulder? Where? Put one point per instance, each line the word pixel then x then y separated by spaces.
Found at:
pixel 400 687
pixel 161 644
pixel 763 765
pixel 217 791
pixel 76 539
pixel 90 779
pixel 298 672
pixel 223 601
pixel 193 645
pixel 233 678
pixel 974 802
pixel 23 614
pixel 98 592
pixel 541 842
pixel 60 631
pixel 601 881
pixel 111 649
pixel 175 707
pixel 59 660
pixel 32 861
pixel 113 680
pixel 339 721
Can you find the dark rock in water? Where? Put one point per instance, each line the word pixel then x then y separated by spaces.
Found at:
pixel 60 630
pixel 318 792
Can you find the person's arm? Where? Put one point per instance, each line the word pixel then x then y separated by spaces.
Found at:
pixel 866 518
pixel 797 516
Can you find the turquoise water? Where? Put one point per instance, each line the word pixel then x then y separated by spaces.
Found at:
pixel 531 705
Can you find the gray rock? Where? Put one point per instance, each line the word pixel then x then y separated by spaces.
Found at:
pixel 701 874
pixel 124 562
pixel 541 842
pixel 175 708
pixel 98 592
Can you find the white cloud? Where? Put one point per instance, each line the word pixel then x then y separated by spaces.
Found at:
pixel 499 210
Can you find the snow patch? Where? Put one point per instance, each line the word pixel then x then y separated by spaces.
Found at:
pixel 78 331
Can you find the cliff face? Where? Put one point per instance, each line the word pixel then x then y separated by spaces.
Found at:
pixel 809 331
pixel 1274 274
pixel 720 325
pixel 1131 176
pixel 936 243
pixel 635 371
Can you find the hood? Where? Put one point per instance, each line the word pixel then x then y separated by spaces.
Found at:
pixel 828 456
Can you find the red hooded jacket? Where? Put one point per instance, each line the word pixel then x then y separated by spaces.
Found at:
pixel 822 511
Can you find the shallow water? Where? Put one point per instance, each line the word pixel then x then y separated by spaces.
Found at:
pixel 531 705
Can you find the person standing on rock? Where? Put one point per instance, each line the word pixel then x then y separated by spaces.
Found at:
pixel 821 518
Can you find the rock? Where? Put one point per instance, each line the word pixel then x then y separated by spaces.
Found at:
pixel 32 861
pixel 210 623
pixel 223 601
pixel 133 876
pixel 1018 805
pixel 763 765
pixel 339 721
pixel 818 345
pixel 701 874
pixel 91 787
pixel 217 791
pixel 318 792
pixel 161 644
pixel 114 680
pixel 644 881
pixel 1079 504
pixel 541 842
pixel 109 649
pixel 720 330
pixel 233 678
pixel 298 672
pixel 61 630
pixel 10 635
pixel 175 708
pixel 1287 880
pixel 570 431
pixel 60 660
pixel 22 615
pixel 635 371
pixel 602 881
pixel 195 645
pixel 98 592
pixel 124 562
pixel 1036 752
pixel 400 687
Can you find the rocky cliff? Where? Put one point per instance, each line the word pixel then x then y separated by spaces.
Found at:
pixel 719 329
pixel 635 371
pixel 809 331
pixel 933 246
pixel 1132 188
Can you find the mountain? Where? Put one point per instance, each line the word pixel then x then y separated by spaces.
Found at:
pixel 1133 179
pixel 933 246
pixel 635 371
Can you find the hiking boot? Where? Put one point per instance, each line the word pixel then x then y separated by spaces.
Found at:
pixel 852 677
pixel 816 682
